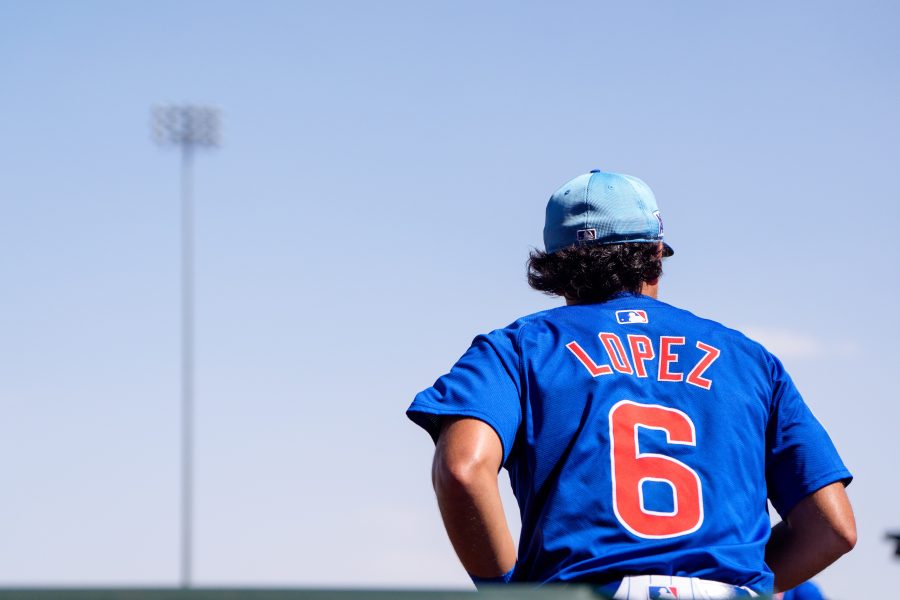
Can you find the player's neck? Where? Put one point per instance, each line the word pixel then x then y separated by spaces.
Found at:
pixel 650 289
pixel 647 289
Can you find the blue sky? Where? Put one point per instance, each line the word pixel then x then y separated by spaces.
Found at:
pixel 382 178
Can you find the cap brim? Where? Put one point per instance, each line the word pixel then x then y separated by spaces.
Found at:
pixel 667 250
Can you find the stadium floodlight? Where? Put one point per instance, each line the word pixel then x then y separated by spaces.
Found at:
pixel 895 537
pixel 188 127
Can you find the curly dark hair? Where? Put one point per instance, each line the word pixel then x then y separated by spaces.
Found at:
pixel 592 273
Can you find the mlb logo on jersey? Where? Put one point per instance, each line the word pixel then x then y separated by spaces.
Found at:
pixel 626 317
pixel 666 592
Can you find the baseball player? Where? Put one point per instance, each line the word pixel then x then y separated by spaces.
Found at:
pixel 642 441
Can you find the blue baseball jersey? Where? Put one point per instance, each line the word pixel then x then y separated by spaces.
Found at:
pixel 639 439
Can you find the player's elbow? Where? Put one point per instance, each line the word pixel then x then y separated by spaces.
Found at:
pixel 835 543
pixel 837 537
pixel 842 525
pixel 844 537
pixel 827 517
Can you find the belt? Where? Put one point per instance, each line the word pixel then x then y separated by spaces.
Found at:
pixel 667 587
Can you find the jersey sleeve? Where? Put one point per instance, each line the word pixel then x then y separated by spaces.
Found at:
pixel 484 384
pixel 800 456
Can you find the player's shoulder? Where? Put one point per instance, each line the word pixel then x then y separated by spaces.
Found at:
pixel 711 330
pixel 527 323
pixel 706 324
pixel 524 329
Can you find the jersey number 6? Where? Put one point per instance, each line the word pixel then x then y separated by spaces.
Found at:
pixel 631 468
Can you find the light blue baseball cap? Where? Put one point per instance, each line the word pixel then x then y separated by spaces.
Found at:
pixel 603 208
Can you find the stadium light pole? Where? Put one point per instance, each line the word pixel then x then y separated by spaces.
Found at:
pixel 894 538
pixel 190 128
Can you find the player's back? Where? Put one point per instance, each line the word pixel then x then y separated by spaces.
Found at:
pixel 642 447
pixel 640 439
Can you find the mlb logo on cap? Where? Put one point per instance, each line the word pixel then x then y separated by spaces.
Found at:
pixel 587 235
pixel 667 592
pixel 627 317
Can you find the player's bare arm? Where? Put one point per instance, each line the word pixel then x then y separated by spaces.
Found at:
pixel 817 531
pixel 467 459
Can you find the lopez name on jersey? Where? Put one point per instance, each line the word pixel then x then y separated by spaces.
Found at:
pixel 631 355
